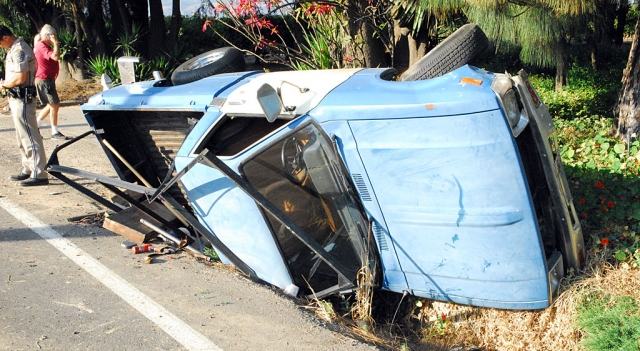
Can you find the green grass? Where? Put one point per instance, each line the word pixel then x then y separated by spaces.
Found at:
pixel 609 322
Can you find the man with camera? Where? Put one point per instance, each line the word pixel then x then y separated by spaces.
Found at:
pixel 20 72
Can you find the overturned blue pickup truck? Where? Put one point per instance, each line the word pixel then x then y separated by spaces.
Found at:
pixel 445 182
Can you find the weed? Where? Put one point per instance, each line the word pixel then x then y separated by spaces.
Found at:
pixel 211 253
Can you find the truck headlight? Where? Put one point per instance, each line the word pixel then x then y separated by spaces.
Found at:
pixel 508 98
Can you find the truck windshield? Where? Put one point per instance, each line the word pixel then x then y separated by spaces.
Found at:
pixel 300 176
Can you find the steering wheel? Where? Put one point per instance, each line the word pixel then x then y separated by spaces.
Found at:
pixel 292 161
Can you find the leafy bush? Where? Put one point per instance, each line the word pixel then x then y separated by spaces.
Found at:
pixel 68 44
pixel 590 92
pixel 103 64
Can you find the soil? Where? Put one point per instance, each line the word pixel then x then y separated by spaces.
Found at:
pixel 75 91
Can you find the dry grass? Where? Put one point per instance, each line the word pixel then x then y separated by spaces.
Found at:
pixel 549 329
pixel 473 328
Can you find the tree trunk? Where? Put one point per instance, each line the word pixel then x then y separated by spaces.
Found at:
pixel 369 51
pixel 621 14
pixel 79 61
pixel 626 120
pixel 157 30
pixel 176 22
pixel 97 32
pixel 119 18
pixel 139 10
pixel 561 65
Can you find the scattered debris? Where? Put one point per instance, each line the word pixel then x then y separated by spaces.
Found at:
pixel 127 244
pixel 90 220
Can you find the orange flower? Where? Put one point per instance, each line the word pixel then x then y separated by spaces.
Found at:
pixel 611 204
pixel 604 241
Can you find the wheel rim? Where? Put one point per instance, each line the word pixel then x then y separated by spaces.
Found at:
pixel 203 61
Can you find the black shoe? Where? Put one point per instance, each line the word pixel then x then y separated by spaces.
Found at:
pixel 19 176
pixel 59 136
pixel 34 182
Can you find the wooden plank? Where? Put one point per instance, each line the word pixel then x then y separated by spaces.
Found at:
pixel 127 222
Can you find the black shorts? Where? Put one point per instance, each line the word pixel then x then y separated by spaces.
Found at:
pixel 46 89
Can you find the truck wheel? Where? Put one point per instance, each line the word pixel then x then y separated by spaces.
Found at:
pixel 454 52
pixel 222 60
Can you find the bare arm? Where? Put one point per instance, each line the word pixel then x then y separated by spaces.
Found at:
pixel 55 55
pixel 16 79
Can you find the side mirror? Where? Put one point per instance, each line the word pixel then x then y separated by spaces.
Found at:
pixel 270 102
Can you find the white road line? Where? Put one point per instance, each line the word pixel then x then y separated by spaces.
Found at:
pixel 171 324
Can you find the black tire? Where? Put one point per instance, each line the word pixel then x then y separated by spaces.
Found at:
pixel 222 60
pixel 454 52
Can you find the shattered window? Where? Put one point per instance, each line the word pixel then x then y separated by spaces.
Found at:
pixel 299 175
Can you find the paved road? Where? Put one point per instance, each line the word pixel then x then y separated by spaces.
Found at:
pixel 66 286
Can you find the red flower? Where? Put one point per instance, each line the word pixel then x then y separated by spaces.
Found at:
pixel 604 209
pixel 624 236
pixel 206 23
pixel 607 231
pixel 585 215
pixel 603 200
pixel 444 316
pixel 582 201
pixel 604 241
pixel 598 184
pixel 611 204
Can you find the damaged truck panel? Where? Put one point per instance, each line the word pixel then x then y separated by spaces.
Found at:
pixel 447 188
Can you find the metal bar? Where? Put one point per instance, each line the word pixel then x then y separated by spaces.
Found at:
pixel 53 159
pixel 56 171
pixel 86 191
pixel 135 203
pixel 298 232
pixel 140 177
pixel 165 186
pixel 102 179
pixel 215 242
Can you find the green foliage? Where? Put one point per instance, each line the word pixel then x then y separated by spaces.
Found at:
pixel 609 323
pixel 590 92
pixel 103 64
pixel 68 44
pixel 632 19
pixel 128 41
pixel 602 170
pixel 211 253
pixel 325 43
pixel 162 64
pixel 603 174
